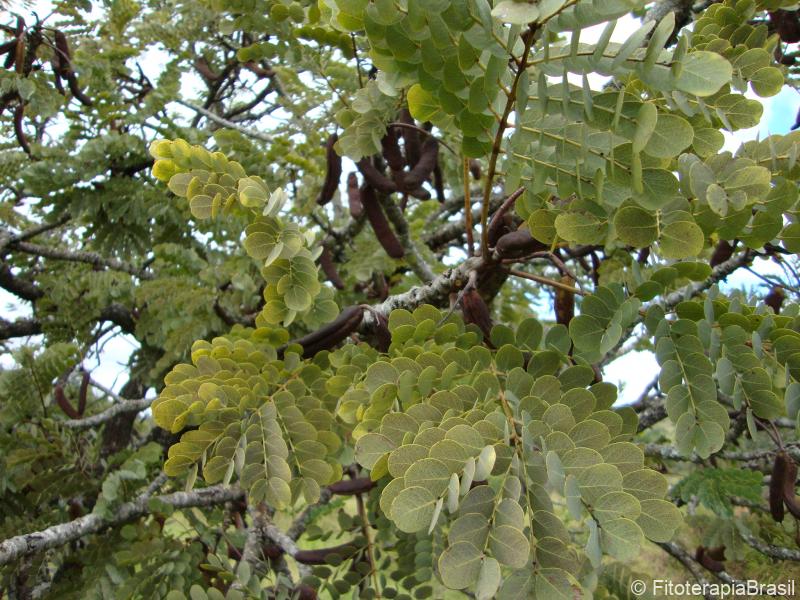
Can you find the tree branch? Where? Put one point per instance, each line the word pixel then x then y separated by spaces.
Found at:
pixel 19 328
pixel 778 552
pixel 125 406
pixel 257 135
pixel 53 537
pixel 92 258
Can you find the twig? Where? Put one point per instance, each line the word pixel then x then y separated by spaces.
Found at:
pixel 687 561
pixel 778 552
pixel 91 258
pixel 225 122
pixel 546 281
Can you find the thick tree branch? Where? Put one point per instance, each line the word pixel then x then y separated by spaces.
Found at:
pixel 687 561
pixel 19 328
pixel 778 552
pixel 257 135
pixel 92 258
pixel 125 406
pixel 53 537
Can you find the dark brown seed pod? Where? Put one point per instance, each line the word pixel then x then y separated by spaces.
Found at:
pixel 329 268
pixel 354 196
pixel 717 553
pixel 391 150
pixel 63 403
pixel 438 182
pixel 775 299
pixel 62 49
pixel 564 303
pixel 318 556
pixel 787 25
pixel 305 592
pixel 498 227
pixel 703 556
pixel 72 81
pixel 377 218
pixel 789 479
pixel 333 173
pixel 375 178
pixel 12 55
pixel 476 312
pixel 19 59
pixel 424 167
pixel 518 243
pixel 351 487
pixel 411 141
pixel 420 193
pixel 82 393
pixel 776 485
pixel 331 334
pixel 19 113
pixel 722 252
pixel 475 168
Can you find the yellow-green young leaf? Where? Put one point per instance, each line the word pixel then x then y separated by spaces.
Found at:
pixel 790 236
pixel 621 538
pixel 413 508
pixel 422 105
pixel 488 579
pixel 635 226
pixel 542 225
pixel 681 239
pixel 658 520
pixel 460 565
pixel 581 227
pixel 767 81
pixel 672 134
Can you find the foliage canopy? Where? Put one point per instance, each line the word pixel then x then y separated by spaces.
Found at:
pixel 390 384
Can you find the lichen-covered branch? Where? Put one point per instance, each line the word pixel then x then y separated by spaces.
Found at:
pixel 58 535
pixel 778 552
pixel 126 406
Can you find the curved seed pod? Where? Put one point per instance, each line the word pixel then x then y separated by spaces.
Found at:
pixel 411 143
pixel 62 50
pixel 475 168
pixel 789 479
pixel 375 178
pixel 775 299
pixel 425 166
pixel 329 268
pixel 12 55
pixel 518 243
pixel 318 555
pixel 786 24
pixel 8 48
pixel 354 196
pixel 438 182
pixel 498 227
pixel 565 302
pixel 72 81
pixel 704 558
pixel 57 78
pixel 19 112
pixel 333 173
pixel 391 150
pixel 351 487
pixel 776 485
pixel 717 553
pixel 420 193
pixel 382 337
pixel 383 231
pixel 329 335
pixel 475 311
pixel 63 403
pixel 19 59
pixel 722 252
pixel 305 592
pixel 82 393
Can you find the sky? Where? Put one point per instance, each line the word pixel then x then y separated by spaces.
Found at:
pixel 631 373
